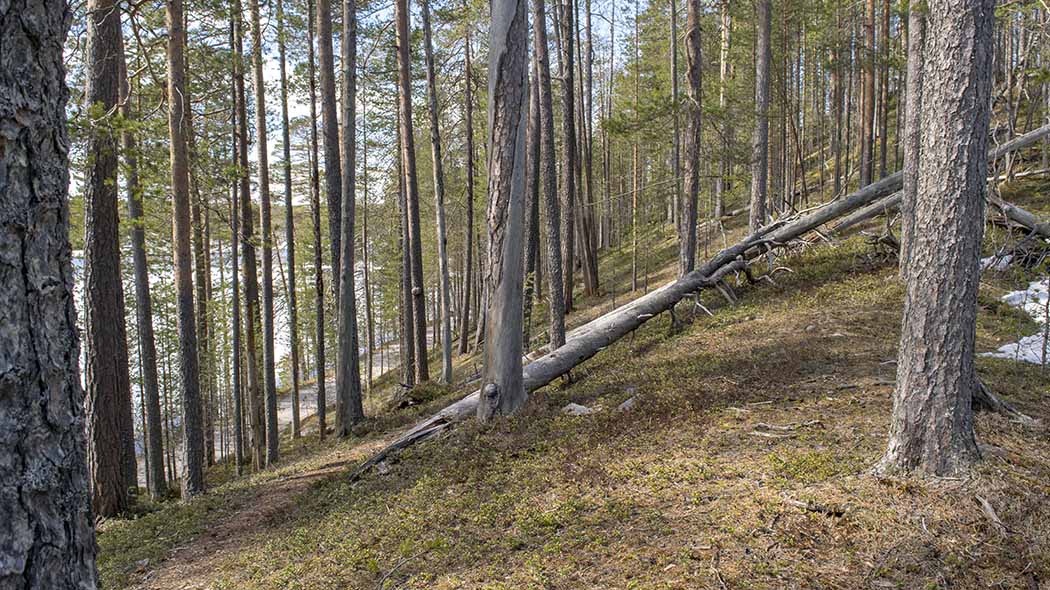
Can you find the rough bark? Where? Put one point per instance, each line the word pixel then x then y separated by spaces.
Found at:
pixel 694 64
pixel 721 183
pixel 548 175
pixel 289 224
pixel 501 381
pixel 49 542
pixel 931 427
pixel 439 202
pixel 192 477
pixel 760 137
pixel 532 208
pixel 408 162
pixel 349 409
pixel 108 399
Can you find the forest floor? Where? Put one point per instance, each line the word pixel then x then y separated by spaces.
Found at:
pixel 743 463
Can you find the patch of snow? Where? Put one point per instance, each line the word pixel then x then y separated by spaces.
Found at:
pixel 996 263
pixel 1033 301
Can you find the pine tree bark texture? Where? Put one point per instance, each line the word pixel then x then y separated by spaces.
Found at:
pixel 192 477
pixel 568 187
pixel 502 384
pixel 315 213
pixel 348 368
pixel 468 246
pixel 330 133
pixel 549 176
pixel 931 427
pixel 108 400
pixel 49 540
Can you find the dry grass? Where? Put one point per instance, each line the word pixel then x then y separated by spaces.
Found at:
pixel 679 492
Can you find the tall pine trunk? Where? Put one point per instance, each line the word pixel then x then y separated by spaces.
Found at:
pixel 349 408
pixel 694 66
pixel 468 246
pixel 439 202
pixel 931 427
pixel 315 213
pixel 108 402
pixel 189 378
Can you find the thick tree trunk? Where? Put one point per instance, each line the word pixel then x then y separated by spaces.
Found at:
pixel 193 453
pixel 548 174
pixel 289 225
pixel 349 409
pixel 408 325
pixel 502 386
pixel 49 542
pixel 143 304
pixel 912 128
pixel 931 428
pixel 468 246
pixel 408 161
pixel 694 66
pixel 108 400
pixel 532 207
pixel 315 212
pixel 439 202
pixel 760 137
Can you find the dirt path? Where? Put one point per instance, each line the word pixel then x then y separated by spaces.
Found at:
pixel 194 566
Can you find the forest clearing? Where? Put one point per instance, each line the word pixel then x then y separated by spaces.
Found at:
pixel 524 294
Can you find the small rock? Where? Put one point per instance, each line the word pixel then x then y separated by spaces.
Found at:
pixel 382 468
pixel 627 405
pixel 811 328
pixel 576 410
pixel 838 335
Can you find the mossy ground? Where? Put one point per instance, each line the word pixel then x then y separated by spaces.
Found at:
pixel 682 491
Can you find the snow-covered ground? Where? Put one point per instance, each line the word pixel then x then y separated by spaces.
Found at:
pixel 1034 301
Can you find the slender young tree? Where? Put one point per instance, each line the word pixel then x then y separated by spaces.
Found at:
pixel 262 155
pixel 108 403
pixel 439 201
pixel 315 212
pixel 156 485
pixel 931 427
pixel 235 314
pixel 760 137
pixel 867 135
pixel 549 175
pixel 349 409
pixel 408 164
pixel 468 246
pixel 532 207
pixel 503 390
pixel 330 134
pixel 192 445
pixel 912 128
pixel 568 187
pixel 289 224
pixel 49 542
pixel 251 279
pixel 726 128
pixel 693 138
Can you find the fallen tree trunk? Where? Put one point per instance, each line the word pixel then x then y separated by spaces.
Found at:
pixel 590 339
